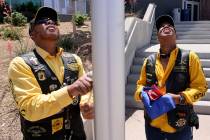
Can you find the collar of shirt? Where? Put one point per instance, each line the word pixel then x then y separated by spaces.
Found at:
pixel 44 54
pixel 54 62
pixel 162 74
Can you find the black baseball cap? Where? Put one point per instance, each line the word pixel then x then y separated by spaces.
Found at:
pixel 43 13
pixel 164 19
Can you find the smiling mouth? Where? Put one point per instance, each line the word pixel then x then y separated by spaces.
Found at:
pixel 51 28
pixel 166 32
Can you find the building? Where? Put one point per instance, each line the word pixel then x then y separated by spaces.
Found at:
pixel 63 7
pixel 67 7
pixel 13 3
pixel 193 9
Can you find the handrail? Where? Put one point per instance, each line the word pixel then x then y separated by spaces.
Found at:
pixel 139 34
pixel 149 14
pixel 129 26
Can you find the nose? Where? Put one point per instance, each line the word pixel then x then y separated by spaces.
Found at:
pixel 50 22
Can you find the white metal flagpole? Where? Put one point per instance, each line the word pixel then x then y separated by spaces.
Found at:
pixel 10 4
pixel 108 68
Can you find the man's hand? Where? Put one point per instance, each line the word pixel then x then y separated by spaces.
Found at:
pixel 87 110
pixel 158 107
pixel 176 97
pixel 80 87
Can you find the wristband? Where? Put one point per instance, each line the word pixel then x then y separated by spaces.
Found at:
pixel 182 100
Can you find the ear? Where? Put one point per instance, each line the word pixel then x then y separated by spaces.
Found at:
pixel 33 35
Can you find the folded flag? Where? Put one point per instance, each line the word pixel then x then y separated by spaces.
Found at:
pixel 159 106
pixel 154 93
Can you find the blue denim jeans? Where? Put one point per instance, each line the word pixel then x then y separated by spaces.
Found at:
pixel 156 134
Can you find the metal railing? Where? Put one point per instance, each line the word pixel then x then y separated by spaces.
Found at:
pixel 138 34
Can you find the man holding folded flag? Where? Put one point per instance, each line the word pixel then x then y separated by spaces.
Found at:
pixel 170 81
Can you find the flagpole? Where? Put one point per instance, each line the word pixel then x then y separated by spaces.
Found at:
pixel 108 68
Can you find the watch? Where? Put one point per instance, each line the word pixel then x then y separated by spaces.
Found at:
pixel 182 100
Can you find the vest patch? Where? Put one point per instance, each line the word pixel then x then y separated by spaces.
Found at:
pixel 57 124
pixel 73 66
pixel 34 61
pixel 181 122
pixel 54 78
pixel 23 112
pixel 180 69
pixel 36 131
pixel 75 100
pixel 53 87
pixel 41 76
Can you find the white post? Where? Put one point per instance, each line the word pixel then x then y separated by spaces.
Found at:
pixel 75 7
pixel 108 63
pixel 10 4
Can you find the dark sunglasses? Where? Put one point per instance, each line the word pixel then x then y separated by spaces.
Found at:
pixel 46 21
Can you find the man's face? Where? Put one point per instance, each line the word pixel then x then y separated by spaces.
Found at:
pixel 2 2
pixel 45 29
pixel 166 33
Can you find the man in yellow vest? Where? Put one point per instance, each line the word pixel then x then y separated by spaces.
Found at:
pixel 48 85
pixel 171 80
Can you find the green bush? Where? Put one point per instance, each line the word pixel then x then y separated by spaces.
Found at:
pixel 79 19
pixel 71 42
pixel 8 19
pixel 66 42
pixel 18 19
pixel 23 47
pixel 28 9
pixel 11 33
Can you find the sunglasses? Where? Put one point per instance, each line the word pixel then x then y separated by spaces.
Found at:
pixel 46 21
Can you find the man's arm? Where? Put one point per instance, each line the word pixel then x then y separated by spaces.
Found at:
pixel 198 84
pixel 84 82
pixel 141 82
pixel 34 105
pixel 87 101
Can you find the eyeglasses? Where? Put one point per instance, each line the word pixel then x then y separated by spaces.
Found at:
pixel 46 21
pixel 168 25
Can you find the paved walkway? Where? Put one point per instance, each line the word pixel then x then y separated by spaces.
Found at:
pixel 134 126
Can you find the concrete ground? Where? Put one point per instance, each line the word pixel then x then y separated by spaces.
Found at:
pixel 134 126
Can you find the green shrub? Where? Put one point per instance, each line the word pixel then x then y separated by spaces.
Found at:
pixel 18 19
pixel 11 33
pixel 28 9
pixel 66 42
pixel 8 19
pixel 71 42
pixel 23 47
pixel 79 19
